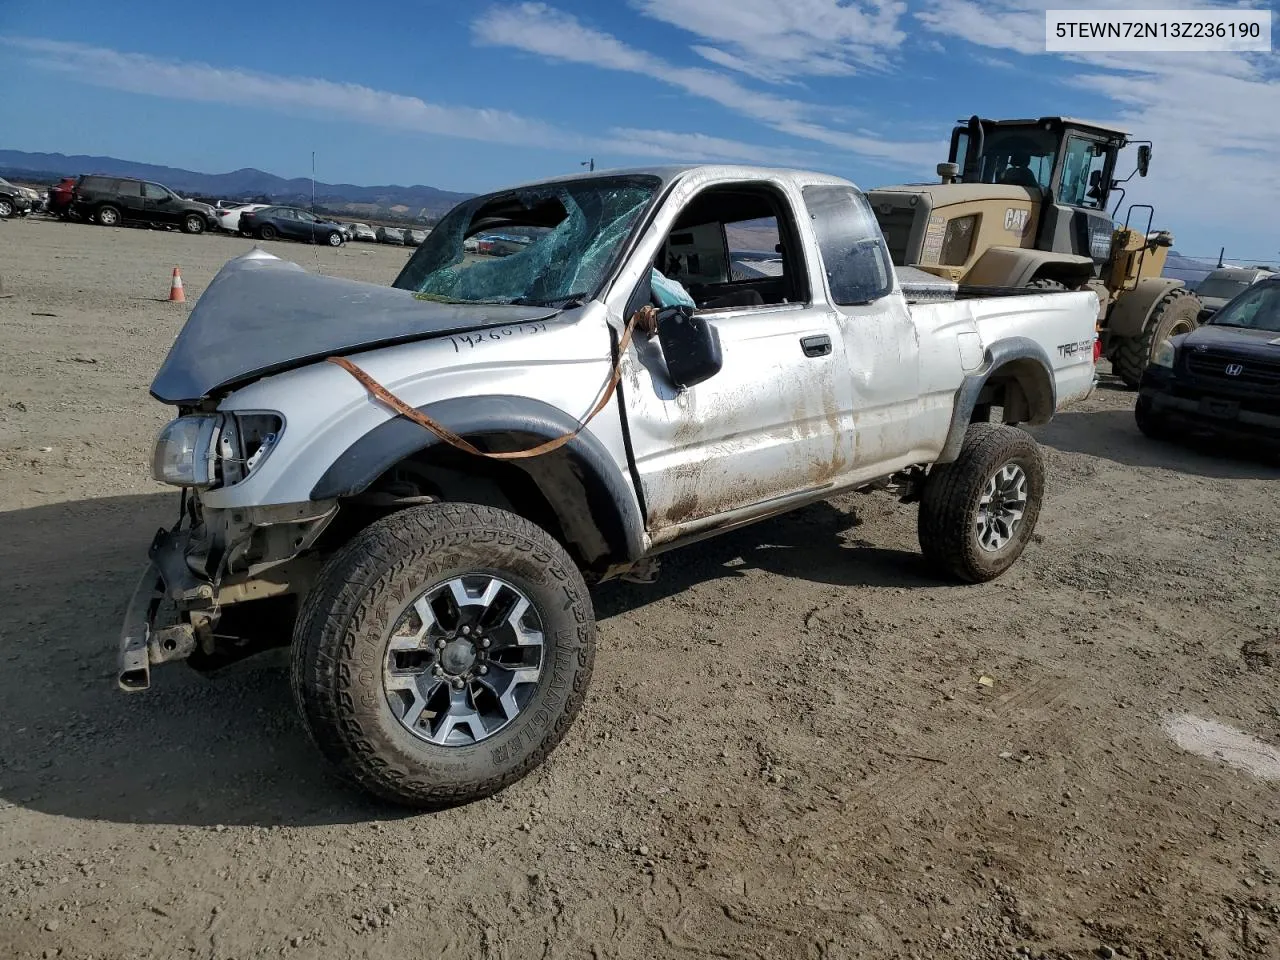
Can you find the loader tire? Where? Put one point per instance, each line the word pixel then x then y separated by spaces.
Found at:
pixel 1046 285
pixel 978 514
pixel 443 653
pixel 1176 312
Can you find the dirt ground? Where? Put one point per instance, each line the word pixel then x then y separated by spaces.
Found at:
pixel 797 743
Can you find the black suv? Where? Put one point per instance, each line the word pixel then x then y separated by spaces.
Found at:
pixel 112 201
pixel 1221 380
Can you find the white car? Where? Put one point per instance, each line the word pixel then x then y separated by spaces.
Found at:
pixel 229 217
pixel 362 231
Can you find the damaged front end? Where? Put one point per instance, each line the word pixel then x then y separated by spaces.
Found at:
pixel 220 584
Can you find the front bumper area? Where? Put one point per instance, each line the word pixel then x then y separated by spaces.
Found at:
pixel 144 639
pixel 209 562
pixel 1208 414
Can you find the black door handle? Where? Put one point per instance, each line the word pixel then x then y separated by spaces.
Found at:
pixel 816 346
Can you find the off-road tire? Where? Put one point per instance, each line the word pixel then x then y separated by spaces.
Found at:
pixel 6 209
pixel 949 503
pixel 340 639
pixel 193 223
pixel 1176 312
pixel 1046 285
pixel 107 216
pixel 334 239
pixel 1151 423
pixel 266 232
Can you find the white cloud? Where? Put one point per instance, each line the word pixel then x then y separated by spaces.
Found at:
pixel 188 80
pixel 1214 119
pixel 310 96
pixel 700 148
pixel 539 29
pixel 773 40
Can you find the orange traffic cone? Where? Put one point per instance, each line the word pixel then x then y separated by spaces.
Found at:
pixel 175 288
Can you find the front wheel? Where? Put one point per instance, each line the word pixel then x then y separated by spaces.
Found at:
pixel 1152 424
pixel 978 513
pixel 335 239
pixel 6 209
pixel 193 223
pixel 443 653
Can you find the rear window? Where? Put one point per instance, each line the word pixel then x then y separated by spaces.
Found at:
pixel 853 250
pixel 98 183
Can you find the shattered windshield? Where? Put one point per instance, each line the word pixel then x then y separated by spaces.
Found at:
pixel 548 245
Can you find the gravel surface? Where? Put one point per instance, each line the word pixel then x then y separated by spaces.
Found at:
pixel 797 743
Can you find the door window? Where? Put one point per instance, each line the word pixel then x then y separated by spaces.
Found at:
pixel 130 188
pixel 1082 172
pixel 728 249
pixel 853 250
pixel 156 192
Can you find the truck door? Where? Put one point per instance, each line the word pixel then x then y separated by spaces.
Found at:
pixel 765 426
pixel 876 334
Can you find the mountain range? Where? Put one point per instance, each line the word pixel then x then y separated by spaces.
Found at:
pixel 415 202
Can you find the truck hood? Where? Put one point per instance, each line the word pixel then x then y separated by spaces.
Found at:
pixel 261 315
pixel 1240 341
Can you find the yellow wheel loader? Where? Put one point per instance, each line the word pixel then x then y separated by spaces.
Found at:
pixel 1023 203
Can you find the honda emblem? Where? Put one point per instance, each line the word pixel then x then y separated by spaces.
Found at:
pixel 1234 369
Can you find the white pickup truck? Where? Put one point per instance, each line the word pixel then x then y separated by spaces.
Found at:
pixel 654 357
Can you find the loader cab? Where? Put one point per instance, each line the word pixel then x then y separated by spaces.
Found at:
pixel 1070 163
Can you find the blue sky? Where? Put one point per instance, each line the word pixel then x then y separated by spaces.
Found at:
pixel 469 96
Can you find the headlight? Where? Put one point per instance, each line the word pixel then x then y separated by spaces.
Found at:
pixel 957 241
pixel 1164 354
pixel 186 450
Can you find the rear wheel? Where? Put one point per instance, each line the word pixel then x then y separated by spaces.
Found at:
pixel 1175 313
pixel 266 232
pixel 978 513
pixel 108 216
pixel 443 653
pixel 193 223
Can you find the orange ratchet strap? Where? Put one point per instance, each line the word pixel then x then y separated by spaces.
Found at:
pixel 642 317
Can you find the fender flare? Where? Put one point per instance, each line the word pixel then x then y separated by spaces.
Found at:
pixel 1132 311
pixel 1017 266
pixel 611 503
pixel 1033 371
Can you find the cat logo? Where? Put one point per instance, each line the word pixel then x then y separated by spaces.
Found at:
pixel 1017 221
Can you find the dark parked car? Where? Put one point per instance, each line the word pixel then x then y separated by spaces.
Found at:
pixel 291 223
pixel 111 201
pixel 1221 380
pixel 12 200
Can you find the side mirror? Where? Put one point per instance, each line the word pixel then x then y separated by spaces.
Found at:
pixel 690 346
pixel 1144 159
